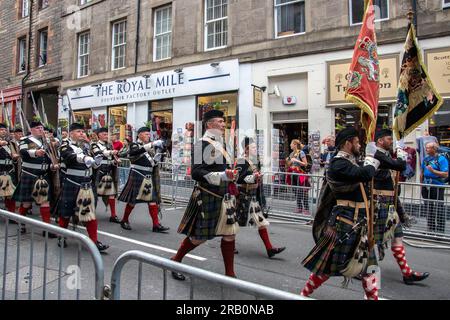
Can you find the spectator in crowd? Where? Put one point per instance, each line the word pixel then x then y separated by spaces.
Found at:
pixel 422 142
pixel 329 151
pixel 434 173
pixel 297 163
pixel 117 145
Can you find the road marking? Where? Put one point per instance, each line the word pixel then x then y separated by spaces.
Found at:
pixel 145 244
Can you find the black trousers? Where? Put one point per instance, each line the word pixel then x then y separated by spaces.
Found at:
pixel 434 208
pixel 301 193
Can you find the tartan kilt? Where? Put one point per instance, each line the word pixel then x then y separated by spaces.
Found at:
pixel 200 222
pixel 329 256
pixel 100 173
pixel 67 204
pixel 24 188
pixel 243 207
pixel 381 214
pixel 134 182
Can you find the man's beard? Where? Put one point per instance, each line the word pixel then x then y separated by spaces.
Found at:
pixel 355 152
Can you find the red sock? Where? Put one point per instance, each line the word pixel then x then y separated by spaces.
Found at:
pixel 91 228
pixel 313 283
pixel 22 210
pixel 64 222
pixel 127 212
pixel 370 287
pixel 45 214
pixel 10 205
pixel 112 205
pixel 185 247
pixel 227 248
pixel 153 210
pixel 265 238
pixel 399 255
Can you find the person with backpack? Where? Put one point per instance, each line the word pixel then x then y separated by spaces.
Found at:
pixel 434 173
pixel 297 164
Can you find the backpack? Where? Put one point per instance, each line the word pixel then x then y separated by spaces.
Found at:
pixel 446 155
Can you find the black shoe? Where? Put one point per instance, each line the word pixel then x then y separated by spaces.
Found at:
pixel 236 251
pixel 125 225
pixel 50 235
pixel 62 242
pixel 114 219
pixel 23 230
pixel 178 276
pixel 101 247
pixel 13 222
pixel 415 277
pixel 160 228
pixel 275 251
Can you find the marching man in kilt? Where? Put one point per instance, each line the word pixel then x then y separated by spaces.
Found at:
pixel 250 202
pixel 35 183
pixel 143 184
pixel 389 213
pixel 210 211
pixel 77 197
pixel 8 161
pixel 341 229
pixel 106 174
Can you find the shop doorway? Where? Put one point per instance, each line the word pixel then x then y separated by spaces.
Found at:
pixel 161 121
pixel 286 133
pixel 117 122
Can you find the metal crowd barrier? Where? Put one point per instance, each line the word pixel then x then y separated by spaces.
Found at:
pixel 50 265
pixel 195 276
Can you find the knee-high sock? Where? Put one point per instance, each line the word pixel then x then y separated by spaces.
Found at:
pixel 22 210
pixel 45 214
pixel 399 255
pixel 185 247
pixel 10 205
pixel 153 210
pixel 227 248
pixel 313 283
pixel 369 283
pixel 127 212
pixel 91 228
pixel 112 205
pixel 64 222
pixel 265 238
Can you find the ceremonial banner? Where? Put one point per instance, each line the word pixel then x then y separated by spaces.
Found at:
pixel 417 99
pixel 363 88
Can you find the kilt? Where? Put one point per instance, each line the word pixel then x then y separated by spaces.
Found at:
pixel 201 223
pixel 243 207
pixel 381 214
pixel 67 204
pixel 134 182
pixel 26 183
pixel 100 173
pixel 330 256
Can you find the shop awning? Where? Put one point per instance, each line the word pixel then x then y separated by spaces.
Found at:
pixel 11 94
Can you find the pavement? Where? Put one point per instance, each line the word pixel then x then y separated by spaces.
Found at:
pixel 283 271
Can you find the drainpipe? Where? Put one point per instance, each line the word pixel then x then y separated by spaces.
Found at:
pixel 414 9
pixel 29 55
pixel 138 24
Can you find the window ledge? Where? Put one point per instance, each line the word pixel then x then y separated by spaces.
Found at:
pixel 159 60
pixel 289 35
pixel 215 48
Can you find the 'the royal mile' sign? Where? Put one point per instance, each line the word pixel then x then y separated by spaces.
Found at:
pixel 189 81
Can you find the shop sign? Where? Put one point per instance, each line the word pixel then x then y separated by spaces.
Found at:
pixel 289 101
pixel 257 97
pixel 338 75
pixel 183 82
pixel 438 65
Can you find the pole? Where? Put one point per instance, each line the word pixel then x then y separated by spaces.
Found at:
pixel 44 114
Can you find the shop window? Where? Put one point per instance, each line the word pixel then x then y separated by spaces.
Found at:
pixel 357 10
pixel 440 124
pixel 227 103
pixel 161 121
pixel 445 3
pixel 117 120
pixel 84 117
pixel 351 116
pixel 289 17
